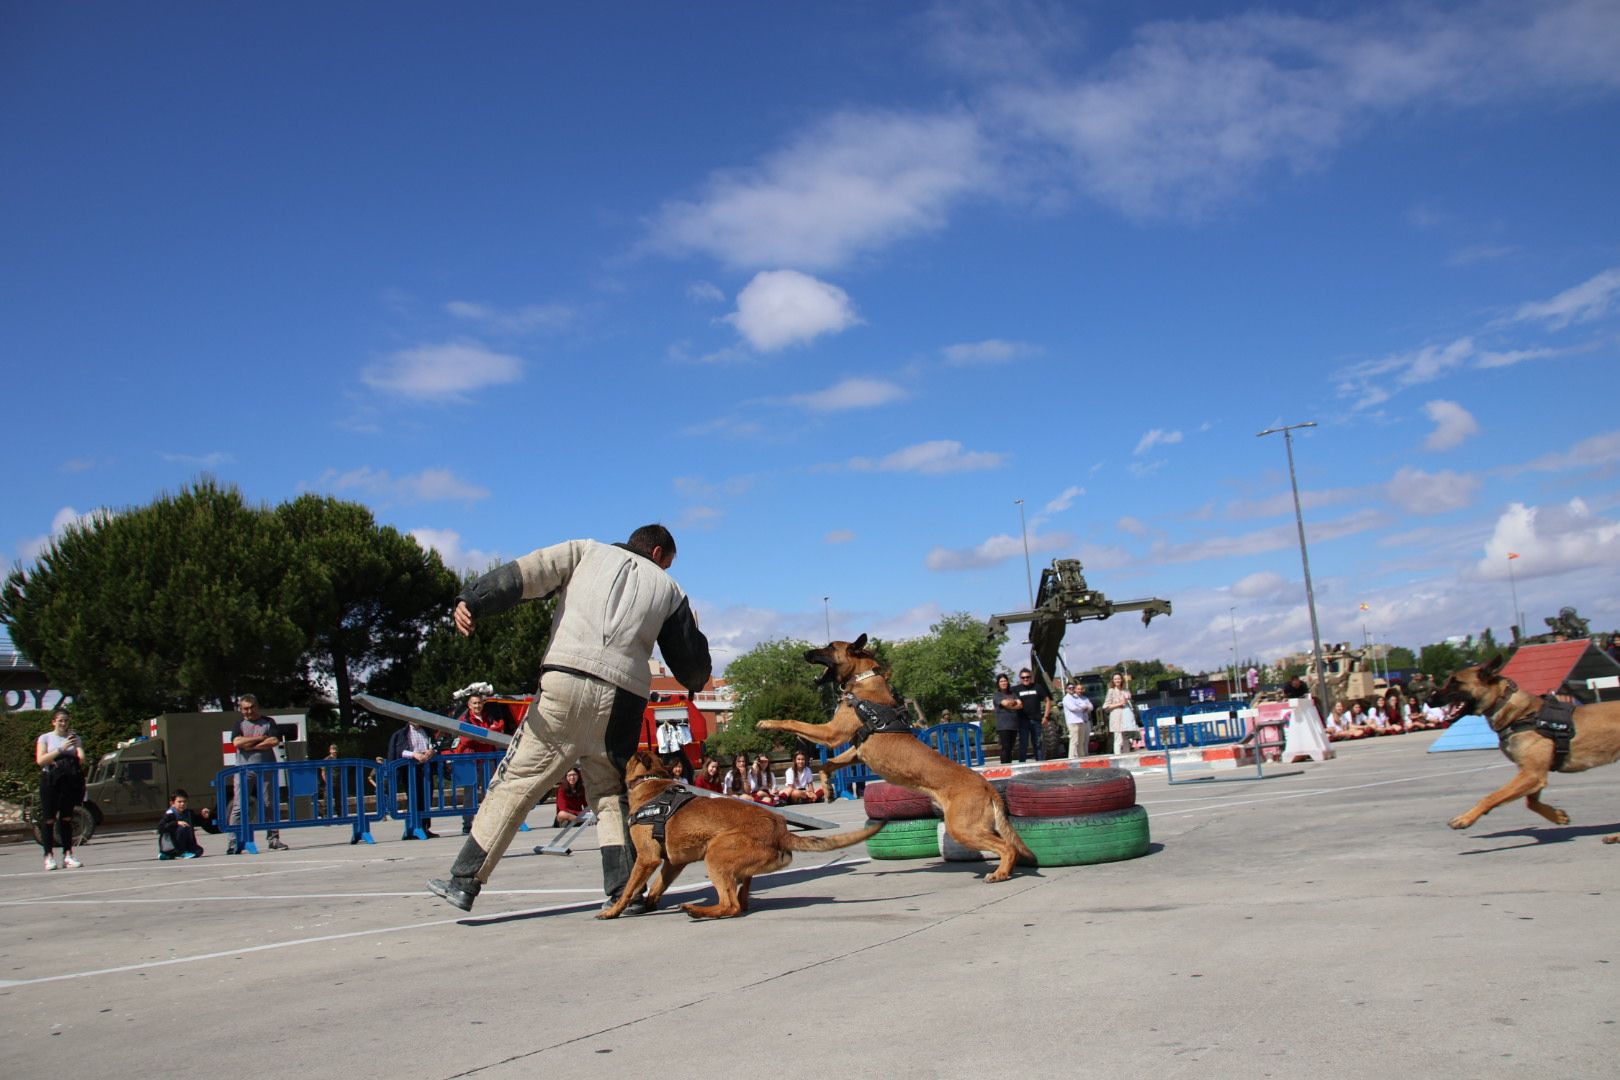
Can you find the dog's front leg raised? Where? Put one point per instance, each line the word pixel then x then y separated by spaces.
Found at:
pixel 820 734
pixel 1526 784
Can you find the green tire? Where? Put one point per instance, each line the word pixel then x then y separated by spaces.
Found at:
pixel 918 839
pixel 1086 839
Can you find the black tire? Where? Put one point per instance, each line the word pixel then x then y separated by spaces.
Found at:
pixel 916 839
pixel 1071 794
pixel 951 851
pixel 891 802
pixel 1087 839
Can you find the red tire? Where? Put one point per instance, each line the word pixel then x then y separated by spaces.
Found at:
pixel 891 802
pixel 1072 793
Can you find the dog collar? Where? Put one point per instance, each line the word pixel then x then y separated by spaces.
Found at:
pixel 1501 703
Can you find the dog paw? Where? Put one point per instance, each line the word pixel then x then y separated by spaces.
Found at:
pixel 1459 822
pixel 1615 839
pixel 990 879
pixel 1560 818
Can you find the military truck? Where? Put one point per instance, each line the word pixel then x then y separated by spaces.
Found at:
pixel 180 750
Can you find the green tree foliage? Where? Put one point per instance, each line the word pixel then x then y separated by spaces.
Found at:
pixel 503 650
pixel 951 667
pixel 1401 658
pixel 185 602
pixel 1439 660
pixel 369 592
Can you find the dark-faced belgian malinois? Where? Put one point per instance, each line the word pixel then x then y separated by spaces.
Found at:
pixel 735 838
pixel 974 813
pixel 1484 691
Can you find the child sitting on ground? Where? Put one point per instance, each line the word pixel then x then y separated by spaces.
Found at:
pixel 177 831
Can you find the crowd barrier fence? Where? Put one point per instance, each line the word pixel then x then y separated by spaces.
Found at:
pixel 305 794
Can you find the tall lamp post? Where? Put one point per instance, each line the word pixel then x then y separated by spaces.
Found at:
pixel 1232 614
pixel 1029 578
pixel 1514 584
pixel 1304 558
pixel 827 613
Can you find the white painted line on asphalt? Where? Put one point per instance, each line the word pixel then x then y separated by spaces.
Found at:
pixel 6 984
pixel 175 883
pixel 1326 790
pixel 171 900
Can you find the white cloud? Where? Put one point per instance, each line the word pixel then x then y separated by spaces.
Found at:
pixel 997 549
pixel 1156 437
pixel 939 456
pixel 700 517
pixel 992 351
pixel 1065 500
pixel 442 372
pixel 1131 526
pixel 1283 502
pixel 1549 540
pixel 65 518
pixel 705 292
pixel 848 185
pixel 211 460
pixel 839 536
pixel 1274 538
pixel 779 308
pixel 1591 299
pixel 854 393
pixel 1266 585
pixel 1418 492
pixel 429 485
pixel 447 542
pixel 1599 450
pixel 1453 425
pixel 518 320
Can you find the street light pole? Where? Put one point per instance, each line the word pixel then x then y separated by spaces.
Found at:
pixel 1029 578
pixel 1305 559
pixel 827 612
pixel 1513 582
pixel 1232 614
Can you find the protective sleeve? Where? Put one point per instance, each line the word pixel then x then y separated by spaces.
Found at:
pixel 685 649
pixel 495 592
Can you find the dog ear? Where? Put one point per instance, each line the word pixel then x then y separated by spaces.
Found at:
pixel 1493 665
pixel 858 645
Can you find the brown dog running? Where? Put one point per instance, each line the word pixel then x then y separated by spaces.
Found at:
pixel 974 813
pixel 735 839
pixel 1484 691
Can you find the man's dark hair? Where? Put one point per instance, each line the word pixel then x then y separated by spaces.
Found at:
pixel 179 793
pixel 644 539
pixel 247 697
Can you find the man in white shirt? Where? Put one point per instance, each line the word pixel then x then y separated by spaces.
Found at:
pixel 1077 713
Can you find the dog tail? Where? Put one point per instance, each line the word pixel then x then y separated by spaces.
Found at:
pixel 801 842
pixel 1004 828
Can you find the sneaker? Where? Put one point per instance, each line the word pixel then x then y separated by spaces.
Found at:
pixel 70 862
pixel 191 855
pixel 230 848
pixel 430 834
pixel 452 893
pixel 276 844
pixel 50 862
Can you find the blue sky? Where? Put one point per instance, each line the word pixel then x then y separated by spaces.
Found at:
pixel 827 287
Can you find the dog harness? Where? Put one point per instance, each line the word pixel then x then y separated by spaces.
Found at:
pixel 1555 721
pixel 878 719
pixel 657 810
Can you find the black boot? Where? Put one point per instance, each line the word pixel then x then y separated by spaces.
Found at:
pixel 463 886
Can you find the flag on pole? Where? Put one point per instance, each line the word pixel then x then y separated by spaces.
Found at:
pixel 1363 607
pixel 1513 554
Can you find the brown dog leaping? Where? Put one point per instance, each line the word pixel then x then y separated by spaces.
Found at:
pixel 736 839
pixel 1529 740
pixel 974 813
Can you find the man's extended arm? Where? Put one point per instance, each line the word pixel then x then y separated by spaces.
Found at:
pixel 528 578
pixel 685 649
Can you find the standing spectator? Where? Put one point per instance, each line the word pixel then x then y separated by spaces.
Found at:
pixel 409 752
pixel 615 602
pixel 1121 713
pixel 709 778
pixel 177 830
pixel 60 757
pixel 479 714
pixel 762 782
pixel 1036 700
pixel 571 804
pixel 1077 713
pixel 799 783
pixel 1008 710
pixel 255 737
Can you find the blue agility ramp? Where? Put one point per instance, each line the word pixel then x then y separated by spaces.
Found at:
pixel 1468 733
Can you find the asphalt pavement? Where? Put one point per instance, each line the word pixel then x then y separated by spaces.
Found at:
pixel 1320 924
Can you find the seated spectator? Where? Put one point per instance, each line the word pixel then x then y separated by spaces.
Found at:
pixel 735 782
pixel 1337 723
pixel 677 770
pixel 799 783
pixel 571 801
pixel 177 829
pixel 709 778
pixel 1395 714
pixel 762 783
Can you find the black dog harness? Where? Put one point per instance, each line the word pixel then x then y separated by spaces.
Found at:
pixel 660 808
pixel 1555 721
pixel 878 719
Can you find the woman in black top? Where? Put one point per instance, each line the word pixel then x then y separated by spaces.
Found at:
pixel 1008 711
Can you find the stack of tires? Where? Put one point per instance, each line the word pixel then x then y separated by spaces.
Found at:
pixel 1078 816
pixel 911 827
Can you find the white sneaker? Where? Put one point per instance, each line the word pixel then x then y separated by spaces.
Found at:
pixel 70 862
pixel 50 862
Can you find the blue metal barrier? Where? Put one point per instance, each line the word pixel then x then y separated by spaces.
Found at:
pixel 962 743
pixel 848 782
pixel 1212 732
pixel 304 794
pixel 449 785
